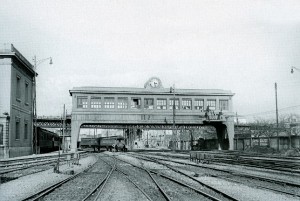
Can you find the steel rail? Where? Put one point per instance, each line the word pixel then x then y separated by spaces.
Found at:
pixel 261 187
pixel 98 185
pixel 137 186
pixel 42 193
pixel 38 195
pixel 180 172
pixel 176 181
pixel 248 176
pixel 165 195
pixel 105 182
pixel 284 182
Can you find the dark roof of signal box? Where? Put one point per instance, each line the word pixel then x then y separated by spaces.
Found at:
pixel 147 91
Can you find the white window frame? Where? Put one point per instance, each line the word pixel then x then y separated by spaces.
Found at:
pixel 211 105
pixel 122 102
pixel 161 104
pixel 95 102
pixel 109 102
pixel 186 104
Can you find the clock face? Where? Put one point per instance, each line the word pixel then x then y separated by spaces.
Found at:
pixel 154 83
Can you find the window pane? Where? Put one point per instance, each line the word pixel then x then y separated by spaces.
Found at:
pixel 224 105
pixel 123 103
pixel 96 102
pixel 211 104
pixel 18 88
pixel 1 134
pixel 26 92
pixel 109 103
pixel 199 104
pixel 161 104
pixel 136 103
pixel 186 104
pixel 26 130
pixel 82 102
pixel 149 103
pixel 17 128
pixel 171 102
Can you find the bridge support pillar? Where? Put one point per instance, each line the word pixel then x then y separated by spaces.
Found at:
pixel 225 133
pixel 75 128
pixel 230 132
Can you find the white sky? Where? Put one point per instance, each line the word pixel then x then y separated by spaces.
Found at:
pixel 243 46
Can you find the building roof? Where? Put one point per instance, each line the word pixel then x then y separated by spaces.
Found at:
pixel 11 51
pixel 129 90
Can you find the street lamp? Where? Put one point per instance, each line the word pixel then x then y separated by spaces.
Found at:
pixel 292 69
pixel 172 90
pixel 36 63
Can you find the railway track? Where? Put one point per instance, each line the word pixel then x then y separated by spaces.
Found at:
pixel 282 183
pixel 89 191
pixel 22 168
pixel 41 194
pixel 204 193
pixel 290 164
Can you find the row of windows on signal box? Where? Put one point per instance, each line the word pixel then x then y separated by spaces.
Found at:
pixel 161 104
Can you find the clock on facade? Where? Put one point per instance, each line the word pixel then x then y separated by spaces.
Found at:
pixel 153 82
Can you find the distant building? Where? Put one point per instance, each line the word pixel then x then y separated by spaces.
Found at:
pixel 16 103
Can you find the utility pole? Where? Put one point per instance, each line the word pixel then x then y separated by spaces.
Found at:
pixel 172 90
pixel 237 136
pixel 276 116
pixel 35 135
pixel 63 130
pixel 34 107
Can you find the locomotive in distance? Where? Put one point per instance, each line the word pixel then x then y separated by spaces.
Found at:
pixel 108 143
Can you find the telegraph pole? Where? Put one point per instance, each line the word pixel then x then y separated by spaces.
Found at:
pixel 63 129
pixel 276 116
pixel 172 90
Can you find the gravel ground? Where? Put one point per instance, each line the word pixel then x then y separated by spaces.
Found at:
pixel 171 186
pixel 236 168
pixel 243 192
pixel 22 187
pixel 119 187
pixel 246 181
pixel 21 173
pixel 142 179
pixel 234 189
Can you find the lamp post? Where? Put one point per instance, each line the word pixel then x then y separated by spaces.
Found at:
pixel 36 63
pixel 293 68
pixel 172 90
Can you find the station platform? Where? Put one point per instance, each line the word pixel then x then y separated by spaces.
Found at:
pixel 52 154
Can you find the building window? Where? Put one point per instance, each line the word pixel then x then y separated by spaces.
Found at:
pixel 18 95
pixel 186 104
pixel 135 103
pixel 224 105
pixel 171 102
pixel 122 103
pixel 1 134
pixel 82 102
pixel 109 102
pixel 26 130
pixel 161 104
pixel 26 93
pixel 199 104
pixel 96 102
pixel 17 128
pixel 149 103
pixel 211 104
